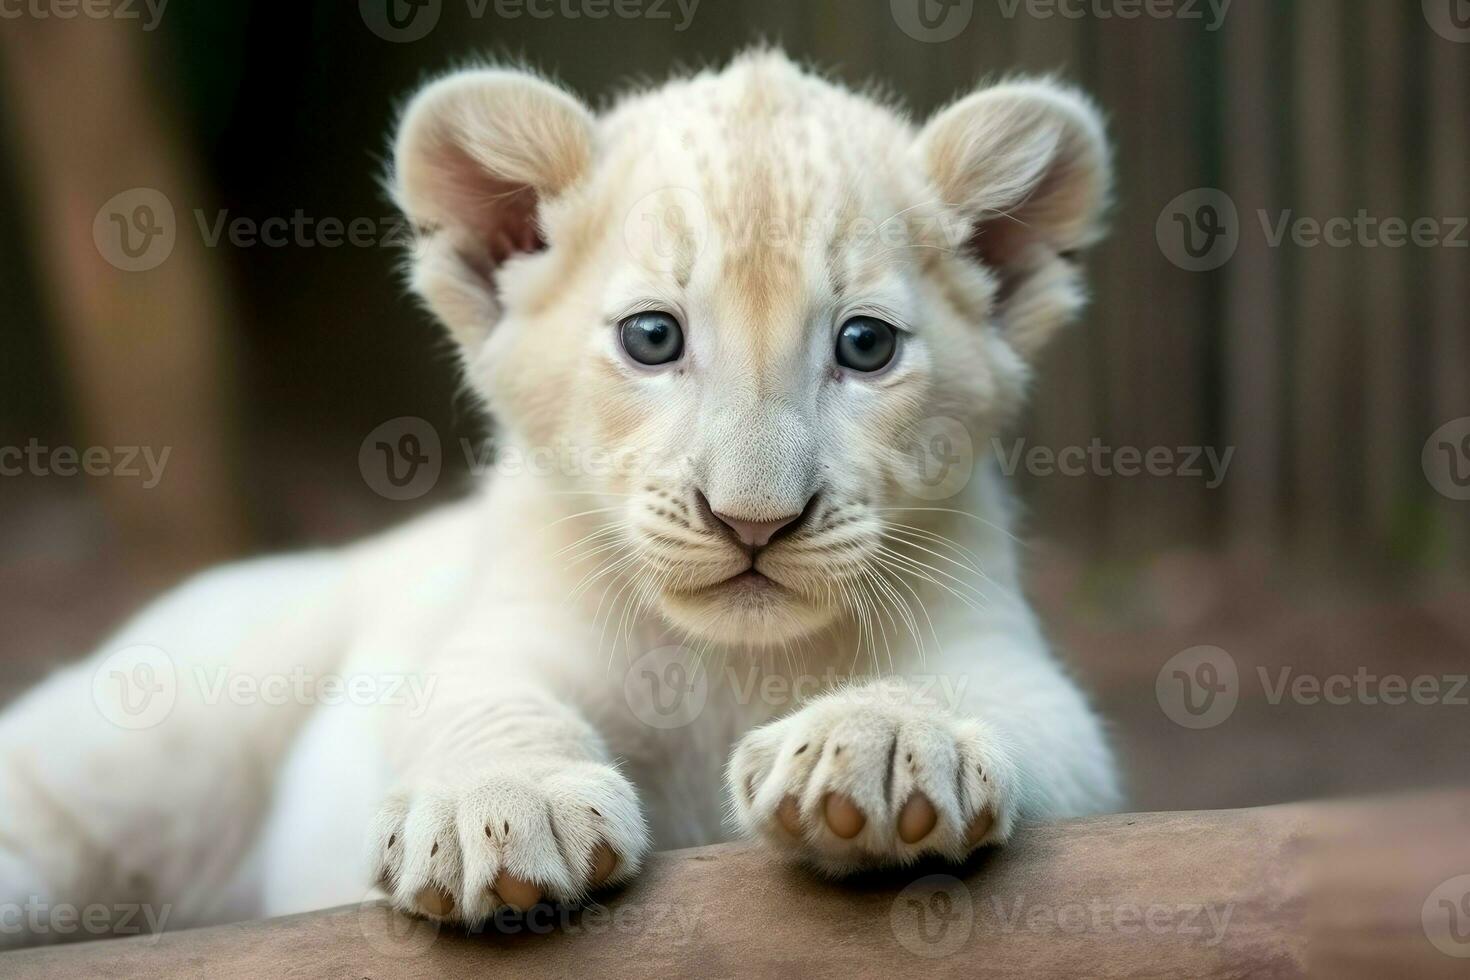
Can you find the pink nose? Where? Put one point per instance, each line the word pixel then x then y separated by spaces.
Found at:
pixel 755 534
pixel 752 534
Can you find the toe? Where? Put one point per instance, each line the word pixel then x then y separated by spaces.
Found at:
pixel 979 827
pixel 843 816
pixel 516 892
pixel 789 814
pixel 604 863
pixel 917 819
pixel 434 900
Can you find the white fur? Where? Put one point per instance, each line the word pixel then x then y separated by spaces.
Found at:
pixel 519 614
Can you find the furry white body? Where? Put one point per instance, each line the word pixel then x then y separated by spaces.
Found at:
pixel 881 693
pixel 226 811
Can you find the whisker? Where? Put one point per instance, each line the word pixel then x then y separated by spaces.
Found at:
pixel 962 513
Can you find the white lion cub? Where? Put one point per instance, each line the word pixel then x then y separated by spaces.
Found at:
pixel 727 309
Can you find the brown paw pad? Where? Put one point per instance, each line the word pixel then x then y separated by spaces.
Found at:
pixel 604 863
pixel 843 816
pixel 516 892
pixel 979 827
pixel 917 819
pixel 789 814
pixel 434 900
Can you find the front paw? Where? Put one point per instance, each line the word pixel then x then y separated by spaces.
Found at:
pixel 864 778
pixel 512 836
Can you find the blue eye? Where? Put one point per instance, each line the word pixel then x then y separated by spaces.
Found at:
pixel 866 344
pixel 652 338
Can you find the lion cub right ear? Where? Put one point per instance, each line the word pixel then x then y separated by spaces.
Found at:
pixel 477 155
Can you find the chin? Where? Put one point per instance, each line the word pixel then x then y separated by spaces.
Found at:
pixel 748 610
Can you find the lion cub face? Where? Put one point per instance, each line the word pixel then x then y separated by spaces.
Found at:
pixel 730 305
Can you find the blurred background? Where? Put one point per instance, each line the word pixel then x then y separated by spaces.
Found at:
pixel 197 259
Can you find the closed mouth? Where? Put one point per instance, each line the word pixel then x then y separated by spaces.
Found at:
pixel 749 583
pixel 750 579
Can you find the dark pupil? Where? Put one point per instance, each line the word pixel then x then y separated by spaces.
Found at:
pixel 866 345
pixel 652 339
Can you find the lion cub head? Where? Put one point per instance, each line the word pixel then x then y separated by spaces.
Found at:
pixel 748 288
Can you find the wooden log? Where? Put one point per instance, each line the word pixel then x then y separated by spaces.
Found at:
pixel 1332 889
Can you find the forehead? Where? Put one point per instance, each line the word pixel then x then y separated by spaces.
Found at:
pixel 770 183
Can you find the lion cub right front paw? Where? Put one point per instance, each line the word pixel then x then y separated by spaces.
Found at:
pixel 513 836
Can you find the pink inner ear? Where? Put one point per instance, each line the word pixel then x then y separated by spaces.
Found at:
pixel 998 241
pixel 511 229
pixel 499 214
pixel 1001 242
pixel 998 244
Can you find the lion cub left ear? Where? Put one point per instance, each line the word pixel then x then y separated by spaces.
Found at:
pixel 477 157
pixel 1026 167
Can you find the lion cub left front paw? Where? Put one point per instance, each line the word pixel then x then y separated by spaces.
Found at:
pixel 860 779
